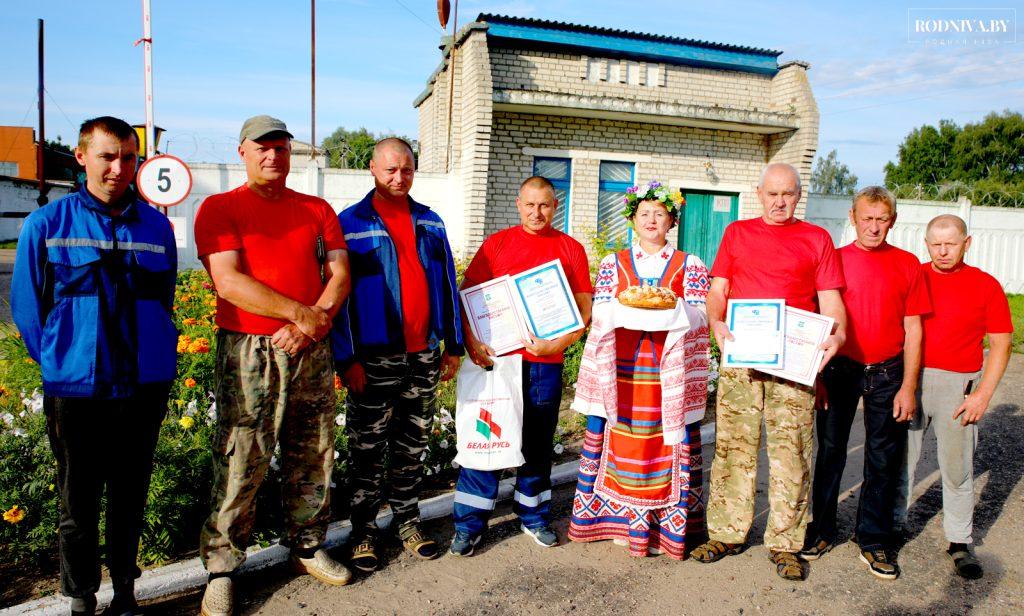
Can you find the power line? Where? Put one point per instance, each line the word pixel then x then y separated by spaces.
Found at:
pixel 54 101
pixel 416 15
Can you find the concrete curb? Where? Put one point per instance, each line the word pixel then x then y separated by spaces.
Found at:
pixel 185 576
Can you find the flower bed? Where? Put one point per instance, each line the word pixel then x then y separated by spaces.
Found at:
pixel 180 488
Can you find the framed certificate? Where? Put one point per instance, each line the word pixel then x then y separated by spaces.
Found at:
pixel 805 331
pixel 548 306
pixel 494 316
pixel 757 326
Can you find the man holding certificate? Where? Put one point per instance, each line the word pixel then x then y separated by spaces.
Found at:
pixel 775 256
pixel 507 253
pixel 885 296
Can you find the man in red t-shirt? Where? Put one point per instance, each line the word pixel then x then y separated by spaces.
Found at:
pixel 967 305
pixel 514 250
pixel 773 256
pixel 884 297
pixel 279 264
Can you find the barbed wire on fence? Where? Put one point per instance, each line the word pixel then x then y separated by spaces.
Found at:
pixel 954 191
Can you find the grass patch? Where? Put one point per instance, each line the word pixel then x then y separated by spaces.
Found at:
pixel 1017 314
pixel 9 244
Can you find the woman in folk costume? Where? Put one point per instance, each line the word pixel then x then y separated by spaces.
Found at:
pixel 643 386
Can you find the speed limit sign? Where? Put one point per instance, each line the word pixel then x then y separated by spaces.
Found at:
pixel 164 180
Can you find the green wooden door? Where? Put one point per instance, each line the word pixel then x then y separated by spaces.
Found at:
pixel 704 220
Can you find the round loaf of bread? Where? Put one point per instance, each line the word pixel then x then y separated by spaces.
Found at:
pixel 657 298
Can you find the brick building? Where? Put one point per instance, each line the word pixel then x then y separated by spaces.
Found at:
pixel 18 152
pixel 597 110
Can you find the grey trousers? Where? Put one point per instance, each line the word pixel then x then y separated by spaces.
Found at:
pixel 939 395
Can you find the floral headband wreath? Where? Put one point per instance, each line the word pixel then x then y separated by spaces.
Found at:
pixel 653 191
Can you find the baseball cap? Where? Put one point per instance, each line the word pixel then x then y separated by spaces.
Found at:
pixel 260 126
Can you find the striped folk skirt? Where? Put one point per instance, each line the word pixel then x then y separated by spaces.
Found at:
pixel 632 487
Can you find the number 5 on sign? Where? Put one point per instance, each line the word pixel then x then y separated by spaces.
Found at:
pixel 164 180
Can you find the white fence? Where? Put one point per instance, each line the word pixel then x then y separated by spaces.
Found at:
pixel 341 188
pixel 997 247
pixel 998 233
pixel 18 199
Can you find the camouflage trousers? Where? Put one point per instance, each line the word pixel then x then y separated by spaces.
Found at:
pixel 265 398
pixel 744 398
pixel 390 420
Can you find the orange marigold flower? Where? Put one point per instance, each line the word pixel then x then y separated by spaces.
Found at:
pixel 14 515
pixel 190 382
pixel 3 391
pixel 184 298
pixel 29 360
pixel 337 382
pixel 212 301
pixel 201 345
pixel 190 321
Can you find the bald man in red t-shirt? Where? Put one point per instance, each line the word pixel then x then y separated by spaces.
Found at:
pixel 967 305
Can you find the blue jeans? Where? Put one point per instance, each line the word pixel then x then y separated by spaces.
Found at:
pixel 477 491
pixel 846 382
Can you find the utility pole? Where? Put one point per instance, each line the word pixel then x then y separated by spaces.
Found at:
pixel 147 40
pixel 41 200
pixel 312 81
pixel 451 89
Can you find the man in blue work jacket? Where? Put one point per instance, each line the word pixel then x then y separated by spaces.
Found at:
pixel 91 295
pixel 387 347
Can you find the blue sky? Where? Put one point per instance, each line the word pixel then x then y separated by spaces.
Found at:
pixel 216 63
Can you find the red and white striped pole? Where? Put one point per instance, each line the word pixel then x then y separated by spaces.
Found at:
pixel 147 40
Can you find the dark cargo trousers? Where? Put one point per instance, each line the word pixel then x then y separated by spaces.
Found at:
pixel 102 444
pixel 390 420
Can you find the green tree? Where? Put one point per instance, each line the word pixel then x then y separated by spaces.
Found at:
pixel 59 146
pixel 353 149
pixel 832 177
pixel 990 151
pixel 925 156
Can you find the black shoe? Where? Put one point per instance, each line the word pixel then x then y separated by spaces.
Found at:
pixel 463 544
pixel 880 564
pixel 818 549
pixel 83 605
pixel 965 563
pixel 123 603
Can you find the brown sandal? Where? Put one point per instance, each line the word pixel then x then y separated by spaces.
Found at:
pixel 789 566
pixel 364 556
pixel 420 546
pixel 714 551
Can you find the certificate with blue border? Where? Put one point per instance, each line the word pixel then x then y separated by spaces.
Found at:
pixel 547 302
pixel 758 327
